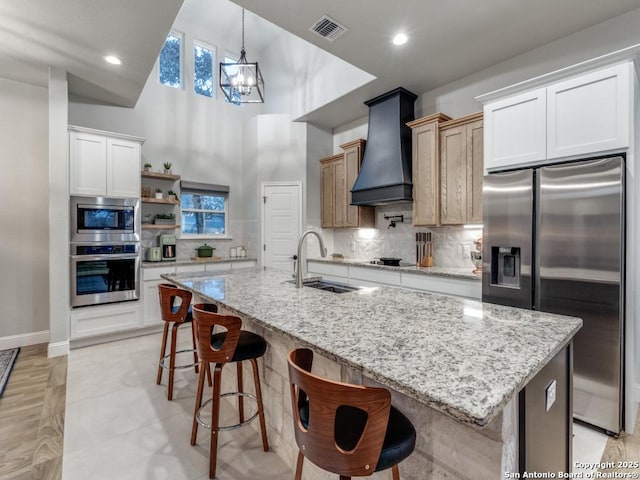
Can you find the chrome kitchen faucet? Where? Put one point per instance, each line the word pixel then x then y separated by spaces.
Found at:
pixel 323 252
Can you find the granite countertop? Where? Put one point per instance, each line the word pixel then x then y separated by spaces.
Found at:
pixel 459 356
pixel 451 272
pixel 190 261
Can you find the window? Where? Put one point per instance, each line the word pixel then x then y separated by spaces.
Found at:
pixel 203 62
pixel 230 58
pixel 170 64
pixel 203 209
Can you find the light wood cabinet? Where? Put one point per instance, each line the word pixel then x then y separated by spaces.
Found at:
pixel 103 164
pixel 426 169
pixel 338 173
pixel 461 170
pixel 447 169
pixel 328 191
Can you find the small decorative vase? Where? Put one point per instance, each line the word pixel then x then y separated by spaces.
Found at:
pixel 167 171
pixel 158 194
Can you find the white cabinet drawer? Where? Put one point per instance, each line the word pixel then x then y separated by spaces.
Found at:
pixel 331 269
pixel 153 273
pixel 190 269
pixel 243 265
pixel 98 320
pixel 444 285
pixel 372 277
pixel 217 267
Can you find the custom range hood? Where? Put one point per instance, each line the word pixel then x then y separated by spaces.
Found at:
pixel 385 173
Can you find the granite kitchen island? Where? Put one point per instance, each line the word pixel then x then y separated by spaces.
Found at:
pixel 456 367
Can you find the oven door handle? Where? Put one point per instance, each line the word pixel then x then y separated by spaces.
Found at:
pixel 94 258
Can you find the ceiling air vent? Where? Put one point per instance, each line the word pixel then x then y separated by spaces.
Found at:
pixel 328 28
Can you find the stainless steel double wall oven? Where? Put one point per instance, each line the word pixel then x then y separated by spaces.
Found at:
pixel 105 250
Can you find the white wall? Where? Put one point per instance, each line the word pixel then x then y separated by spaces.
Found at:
pixel 59 275
pixel 302 77
pixel 24 256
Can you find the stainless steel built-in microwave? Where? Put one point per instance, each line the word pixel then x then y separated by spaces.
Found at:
pixel 103 219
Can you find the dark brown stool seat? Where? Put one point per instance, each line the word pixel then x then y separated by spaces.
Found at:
pixel 350 430
pixel 174 315
pixel 232 345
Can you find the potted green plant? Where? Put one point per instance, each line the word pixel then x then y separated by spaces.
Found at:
pixel 147 167
pixel 171 195
pixel 167 167
pixel 165 219
pixel 158 193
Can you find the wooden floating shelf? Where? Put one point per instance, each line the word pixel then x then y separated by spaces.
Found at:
pixel 153 226
pixel 160 176
pixel 164 201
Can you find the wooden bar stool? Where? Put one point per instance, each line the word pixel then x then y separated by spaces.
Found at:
pixel 175 315
pixel 349 430
pixel 227 346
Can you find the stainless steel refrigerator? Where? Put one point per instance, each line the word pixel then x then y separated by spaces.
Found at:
pixel 553 241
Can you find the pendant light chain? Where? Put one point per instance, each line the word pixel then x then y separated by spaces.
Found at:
pixel 242 49
pixel 241 81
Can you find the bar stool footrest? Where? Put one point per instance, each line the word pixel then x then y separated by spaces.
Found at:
pixel 164 361
pixel 229 427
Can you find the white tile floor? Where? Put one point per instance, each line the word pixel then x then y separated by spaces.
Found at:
pixel 588 446
pixel 119 424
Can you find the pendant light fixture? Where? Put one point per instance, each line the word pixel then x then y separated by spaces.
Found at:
pixel 241 82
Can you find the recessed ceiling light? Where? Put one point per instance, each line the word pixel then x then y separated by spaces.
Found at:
pixel 400 39
pixel 112 60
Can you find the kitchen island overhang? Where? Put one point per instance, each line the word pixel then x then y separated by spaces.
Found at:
pixel 462 358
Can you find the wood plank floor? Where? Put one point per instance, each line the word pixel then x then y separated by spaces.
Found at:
pixel 623 454
pixel 32 417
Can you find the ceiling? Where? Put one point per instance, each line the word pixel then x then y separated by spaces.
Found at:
pixel 447 40
pixel 75 35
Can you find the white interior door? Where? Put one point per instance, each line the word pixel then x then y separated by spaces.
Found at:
pixel 281 224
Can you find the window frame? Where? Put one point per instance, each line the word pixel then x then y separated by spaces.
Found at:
pixel 181 38
pixel 205 189
pixel 214 80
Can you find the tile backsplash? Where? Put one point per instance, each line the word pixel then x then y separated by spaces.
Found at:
pixel 449 243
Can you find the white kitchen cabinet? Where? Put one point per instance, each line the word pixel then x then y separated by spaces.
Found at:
pixel 244 265
pixel 103 164
pixel 329 271
pixel 150 280
pixel 515 130
pixel 104 319
pixel 589 113
pixel 445 285
pixel 193 268
pixel 370 277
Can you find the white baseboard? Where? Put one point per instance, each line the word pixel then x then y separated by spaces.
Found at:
pixel 23 340
pixel 57 349
pixel 114 336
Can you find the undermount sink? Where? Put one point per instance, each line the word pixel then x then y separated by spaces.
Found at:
pixel 328 286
